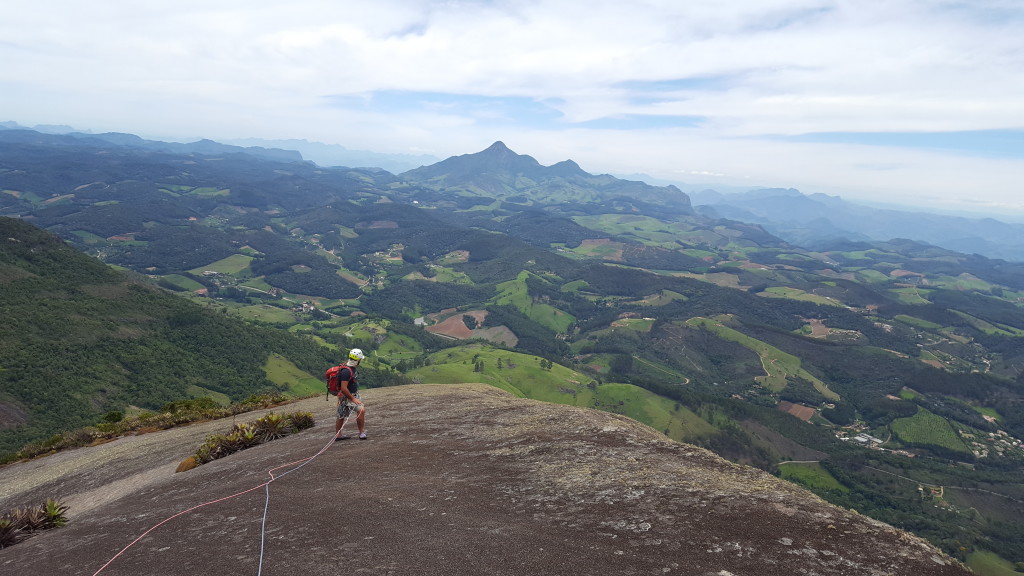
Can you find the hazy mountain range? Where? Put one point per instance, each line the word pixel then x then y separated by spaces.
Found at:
pixel 814 221
pixel 322 154
pixel 818 221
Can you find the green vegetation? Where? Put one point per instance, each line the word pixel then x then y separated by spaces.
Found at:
pixel 286 376
pixel 267 314
pixel 917 322
pixel 907 394
pixel 987 411
pixel 872 276
pixel 516 293
pixel 796 294
pixel 811 475
pixel 986 563
pixel 527 377
pixel 115 424
pixel 234 264
pixel 18 524
pixel 990 327
pixel 241 436
pixel 182 282
pixel 911 295
pixel 927 429
pixel 778 365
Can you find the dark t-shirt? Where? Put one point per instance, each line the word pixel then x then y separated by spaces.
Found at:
pixel 353 385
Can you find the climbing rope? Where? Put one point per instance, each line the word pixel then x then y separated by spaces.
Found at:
pixel 265 485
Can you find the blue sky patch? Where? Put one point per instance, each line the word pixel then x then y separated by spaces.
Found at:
pixel 519 110
pixel 988 143
pixel 701 83
pixel 641 122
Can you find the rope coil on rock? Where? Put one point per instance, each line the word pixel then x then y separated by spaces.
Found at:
pixel 266 485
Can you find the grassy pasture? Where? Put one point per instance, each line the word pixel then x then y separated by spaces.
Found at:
pixel 183 282
pixel 218 397
pixel 234 264
pixel 668 417
pixel 796 294
pixel 523 376
pixel 989 327
pixel 986 411
pixel 810 475
pixel 871 276
pixel 642 365
pixel 634 324
pixel 397 347
pixel 266 313
pixel 515 293
pixel 289 377
pixel 600 249
pixel 963 281
pixel 776 363
pixel 662 298
pixel 698 253
pixel 89 237
pixel 926 428
pixel 258 284
pixel 911 295
pixel 574 286
pixel 907 394
pixel 209 192
pixel 441 274
pixel 724 279
pixel 917 322
pixel 871 254
pixel 618 224
pixel 986 563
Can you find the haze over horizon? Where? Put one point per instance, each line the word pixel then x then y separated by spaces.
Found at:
pixel 909 102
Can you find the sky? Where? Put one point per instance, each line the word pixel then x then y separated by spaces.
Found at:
pixel 912 102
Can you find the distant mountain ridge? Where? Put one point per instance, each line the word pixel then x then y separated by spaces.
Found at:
pixel 328 155
pixel 208 147
pixel 816 221
pixel 500 173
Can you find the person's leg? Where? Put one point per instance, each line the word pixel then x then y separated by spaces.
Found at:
pixel 339 421
pixel 361 421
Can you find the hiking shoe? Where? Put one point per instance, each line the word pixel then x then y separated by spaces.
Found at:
pixel 342 437
pixel 362 436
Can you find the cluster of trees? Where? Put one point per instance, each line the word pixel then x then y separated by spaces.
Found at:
pixel 170 249
pixel 121 342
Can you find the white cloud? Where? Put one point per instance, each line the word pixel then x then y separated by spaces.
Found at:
pixel 258 68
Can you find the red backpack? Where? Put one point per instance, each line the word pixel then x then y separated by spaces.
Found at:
pixel 333 380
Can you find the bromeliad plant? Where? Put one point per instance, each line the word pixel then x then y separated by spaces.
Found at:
pixel 115 424
pixel 242 436
pixel 20 523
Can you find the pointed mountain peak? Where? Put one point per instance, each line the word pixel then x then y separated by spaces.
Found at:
pixel 498 146
pixel 499 157
pixel 567 168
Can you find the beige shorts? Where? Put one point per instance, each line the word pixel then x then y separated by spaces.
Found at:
pixel 345 409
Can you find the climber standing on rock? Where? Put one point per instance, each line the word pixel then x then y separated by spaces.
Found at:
pixel 341 380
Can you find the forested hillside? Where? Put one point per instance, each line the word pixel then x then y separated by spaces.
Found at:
pixel 80 339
